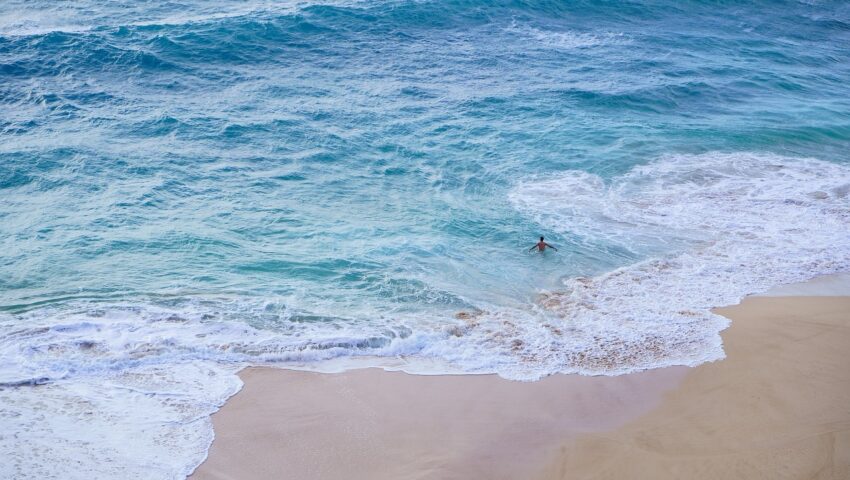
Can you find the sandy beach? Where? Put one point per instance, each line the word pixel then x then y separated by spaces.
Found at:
pixel 777 407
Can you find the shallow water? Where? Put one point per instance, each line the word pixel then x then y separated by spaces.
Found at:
pixel 187 188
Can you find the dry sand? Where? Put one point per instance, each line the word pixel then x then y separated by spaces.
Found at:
pixel 777 407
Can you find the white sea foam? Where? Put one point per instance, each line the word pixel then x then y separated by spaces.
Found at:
pixel 126 390
pixel 27 18
pixel 735 224
pixel 92 339
pixel 567 40
pixel 145 423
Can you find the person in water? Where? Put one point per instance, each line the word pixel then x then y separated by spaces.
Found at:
pixel 541 246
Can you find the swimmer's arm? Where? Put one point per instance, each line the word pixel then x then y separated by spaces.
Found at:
pixel 532 247
pixel 552 247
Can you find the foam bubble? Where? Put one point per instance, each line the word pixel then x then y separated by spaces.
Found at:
pixel 567 40
pixel 733 224
pixel 148 423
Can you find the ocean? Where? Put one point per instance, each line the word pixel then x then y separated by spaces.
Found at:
pixel 188 188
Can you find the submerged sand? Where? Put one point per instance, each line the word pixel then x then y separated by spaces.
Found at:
pixel 777 407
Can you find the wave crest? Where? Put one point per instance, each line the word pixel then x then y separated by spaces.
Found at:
pixel 730 225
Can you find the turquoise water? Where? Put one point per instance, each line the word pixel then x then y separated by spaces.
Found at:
pixel 362 153
pixel 190 187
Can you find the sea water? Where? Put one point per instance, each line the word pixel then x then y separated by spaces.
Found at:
pixel 189 188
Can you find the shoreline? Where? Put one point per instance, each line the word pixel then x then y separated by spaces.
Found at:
pixel 373 423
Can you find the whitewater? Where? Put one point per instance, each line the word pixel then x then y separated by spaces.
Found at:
pixel 189 189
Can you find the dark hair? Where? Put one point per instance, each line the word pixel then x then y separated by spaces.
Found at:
pixel 541 239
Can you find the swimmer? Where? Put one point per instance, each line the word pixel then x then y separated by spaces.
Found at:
pixel 541 246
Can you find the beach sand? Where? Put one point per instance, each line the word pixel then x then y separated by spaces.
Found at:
pixel 777 407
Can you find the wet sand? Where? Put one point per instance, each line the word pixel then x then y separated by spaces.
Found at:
pixel 777 407
pixel 373 424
